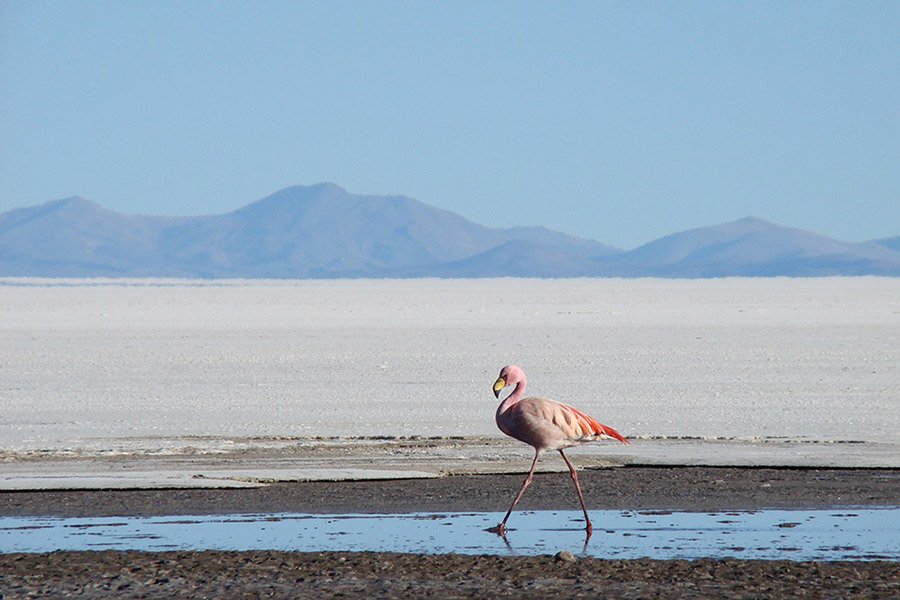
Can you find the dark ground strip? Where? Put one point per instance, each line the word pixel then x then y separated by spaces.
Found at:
pixel 631 488
pixel 380 575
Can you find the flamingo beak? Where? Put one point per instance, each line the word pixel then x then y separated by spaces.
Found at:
pixel 499 385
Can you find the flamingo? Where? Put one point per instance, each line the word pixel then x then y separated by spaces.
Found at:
pixel 545 425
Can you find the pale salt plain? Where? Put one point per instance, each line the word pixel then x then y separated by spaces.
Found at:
pixel 741 371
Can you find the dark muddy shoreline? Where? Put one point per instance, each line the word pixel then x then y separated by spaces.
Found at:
pixel 387 575
pixel 380 575
pixel 626 488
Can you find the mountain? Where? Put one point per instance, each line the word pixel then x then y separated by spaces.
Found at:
pixel 300 232
pixel 889 243
pixel 78 238
pixel 323 231
pixel 752 247
pixel 533 252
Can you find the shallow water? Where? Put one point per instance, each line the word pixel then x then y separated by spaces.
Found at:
pixel 828 535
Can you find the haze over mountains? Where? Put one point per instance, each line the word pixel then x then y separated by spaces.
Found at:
pixel 323 231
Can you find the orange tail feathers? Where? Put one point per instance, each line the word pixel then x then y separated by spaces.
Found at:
pixel 601 429
pixel 607 430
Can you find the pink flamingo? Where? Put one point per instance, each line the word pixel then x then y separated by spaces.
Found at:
pixel 545 425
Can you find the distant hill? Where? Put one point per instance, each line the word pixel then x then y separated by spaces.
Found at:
pixel 323 231
pixel 78 238
pixel 300 232
pixel 890 243
pixel 753 247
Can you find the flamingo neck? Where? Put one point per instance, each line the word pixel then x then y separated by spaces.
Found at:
pixel 514 397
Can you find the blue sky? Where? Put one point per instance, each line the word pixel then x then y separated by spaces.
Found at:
pixel 620 122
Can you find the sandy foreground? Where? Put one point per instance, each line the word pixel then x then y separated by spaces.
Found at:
pixel 172 397
pixel 386 575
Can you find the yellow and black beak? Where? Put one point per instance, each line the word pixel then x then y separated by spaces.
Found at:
pixel 499 385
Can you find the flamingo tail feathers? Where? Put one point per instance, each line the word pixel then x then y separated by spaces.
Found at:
pixel 601 430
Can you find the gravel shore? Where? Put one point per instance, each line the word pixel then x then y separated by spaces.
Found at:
pixel 379 575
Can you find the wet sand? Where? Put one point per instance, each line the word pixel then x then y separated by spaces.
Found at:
pixel 626 488
pixel 293 574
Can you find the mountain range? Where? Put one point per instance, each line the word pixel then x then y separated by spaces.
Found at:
pixel 323 231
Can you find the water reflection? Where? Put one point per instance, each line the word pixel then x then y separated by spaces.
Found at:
pixel 864 534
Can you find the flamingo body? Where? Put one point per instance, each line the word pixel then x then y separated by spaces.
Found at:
pixel 545 424
pixel 550 425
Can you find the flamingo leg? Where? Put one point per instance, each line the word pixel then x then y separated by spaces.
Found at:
pixel 589 528
pixel 502 527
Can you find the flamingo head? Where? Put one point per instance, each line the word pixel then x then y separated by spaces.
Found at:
pixel 509 375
